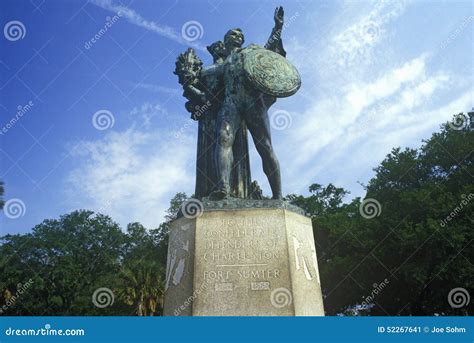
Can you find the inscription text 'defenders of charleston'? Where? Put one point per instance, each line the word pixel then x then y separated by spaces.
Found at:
pixel 240 274
pixel 241 249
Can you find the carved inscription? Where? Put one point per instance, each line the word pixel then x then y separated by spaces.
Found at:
pixel 225 286
pixel 241 253
pixel 260 286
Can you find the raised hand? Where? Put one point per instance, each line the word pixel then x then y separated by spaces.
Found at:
pixel 278 17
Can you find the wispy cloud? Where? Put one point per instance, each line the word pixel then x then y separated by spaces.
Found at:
pixel 355 42
pixel 360 107
pixel 137 19
pixel 144 114
pixel 131 175
pixel 158 89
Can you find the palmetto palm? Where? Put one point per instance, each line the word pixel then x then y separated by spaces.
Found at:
pixel 142 287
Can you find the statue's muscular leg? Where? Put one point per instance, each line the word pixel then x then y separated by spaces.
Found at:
pixel 259 127
pixel 227 125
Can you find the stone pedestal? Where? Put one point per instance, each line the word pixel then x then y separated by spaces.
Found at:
pixel 243 262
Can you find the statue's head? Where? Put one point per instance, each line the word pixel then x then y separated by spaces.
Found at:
pixel 234 38
pixel 217 50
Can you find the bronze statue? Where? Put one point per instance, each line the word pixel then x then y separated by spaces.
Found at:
pixel 231 95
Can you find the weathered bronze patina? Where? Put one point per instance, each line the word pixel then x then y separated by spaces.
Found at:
pixel 270 72
pixel 228 98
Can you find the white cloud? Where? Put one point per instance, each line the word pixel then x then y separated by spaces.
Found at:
pixel 360 108
pixel 158 89
pixel 131 175
pixel 135 18
pixel 147 111
pixel 336 119
pixel 363 95
pixel 355 42
pixel 334 129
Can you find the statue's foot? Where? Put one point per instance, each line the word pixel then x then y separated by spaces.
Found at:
pixel 277 197
pixel 219 195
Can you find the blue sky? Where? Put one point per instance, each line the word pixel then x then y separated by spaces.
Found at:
pixel 376 75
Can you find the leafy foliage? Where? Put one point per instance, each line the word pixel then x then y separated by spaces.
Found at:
pixel 68 259
pixel 421 241
pixel 419 246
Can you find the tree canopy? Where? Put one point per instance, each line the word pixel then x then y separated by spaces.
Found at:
pixel 398 251
pixel 65 261
pixel 418 242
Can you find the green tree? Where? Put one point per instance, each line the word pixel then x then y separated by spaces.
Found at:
pixel 411 244
pixel 142 288
pixel 142 276
pixel 160 235
pixel 67 259
pixel 417 244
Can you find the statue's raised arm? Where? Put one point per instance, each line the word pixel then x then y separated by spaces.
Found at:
pixel 228 98
pixel 274 42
